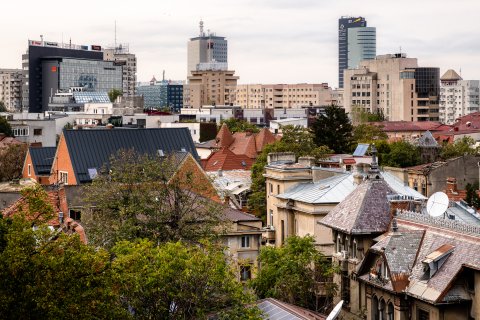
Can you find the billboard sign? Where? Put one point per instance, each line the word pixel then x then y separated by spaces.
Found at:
pixel 96 47
pixel 50 44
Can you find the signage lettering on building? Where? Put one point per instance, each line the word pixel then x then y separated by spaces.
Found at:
pixel 96 48
pixel 84 47
pixel 51 44
pixel 35 43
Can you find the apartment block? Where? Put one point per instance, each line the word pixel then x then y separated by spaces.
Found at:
pixel 261 96
pixel 122 57
pixel 11 81
pixel 458 97
pixel 211 87
pixel 394 85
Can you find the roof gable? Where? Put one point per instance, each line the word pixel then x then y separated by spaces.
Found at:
pixel 224 137
pixel 42 159
pixel 225 159
pixel 93 148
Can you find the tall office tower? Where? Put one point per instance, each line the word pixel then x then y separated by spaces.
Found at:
pixel 458 97
pixel 356 42
pixel 11 81
pixel 207 48
pixel 162 94
pixel 394 85
pixel 54 66
pixel 211 87
pixel 121 55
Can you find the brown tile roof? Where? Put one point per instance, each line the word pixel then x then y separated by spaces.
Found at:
pixel 224 137
pixel 263 138
pixel 365 210
pixel 398 126
pixel 224 159
pixel 7 141
pixel 245 144
pixel 237 215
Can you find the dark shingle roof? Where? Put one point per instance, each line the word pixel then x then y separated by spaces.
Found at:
pixel 93 148
pixel 237 215
pixel 42 159
pixel 365 210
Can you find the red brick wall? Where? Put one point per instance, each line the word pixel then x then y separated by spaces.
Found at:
pixel 62 162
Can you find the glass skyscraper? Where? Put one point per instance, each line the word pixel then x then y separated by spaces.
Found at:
pixel 356 42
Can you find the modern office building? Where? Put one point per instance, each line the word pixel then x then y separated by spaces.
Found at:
pixel 253 96
pixel 356 42
pixel 162 94
pixel 458 97
pixel 11 81
pixel 121 55
pixel 212 87
pixel 52 66
pixel 205 48
pixel 395 86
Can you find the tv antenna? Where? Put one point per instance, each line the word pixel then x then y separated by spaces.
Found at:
pixel 437 204
pixel 336 311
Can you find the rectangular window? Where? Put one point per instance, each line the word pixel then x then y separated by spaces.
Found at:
pixel 282 231
pixel 271 188
pixel 271 217
pixel 245 273
pixel 423 315
pixel 37 132
pixel 75 215
pixel 345 287
pixel 278 189
pixel 63 177
pixel 246 242
pixel 29 170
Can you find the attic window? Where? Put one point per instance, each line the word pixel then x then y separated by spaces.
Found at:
pixel 160 153
pixel 184 150
pixel 434 261
pixel 92 173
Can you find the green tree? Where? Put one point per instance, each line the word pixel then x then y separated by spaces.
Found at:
pixel 11 161
pixel 472 197
pixel 113 94
pixel 465 145
pixel 2 107
pixel 295 139
pixel 177 281
pixel 237 125
pixel 360 116
pixel 367 133
pixel 137 197
pixel 46 274
pixel 208 131
pixel 288 272
pixel 400 154
pixel 334 130
pixel 5 127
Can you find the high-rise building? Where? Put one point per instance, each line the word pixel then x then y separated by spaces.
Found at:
pixel 162 94
pixel 11 81
pixel 206 48
pixel 212 87
pixel 121 55
pixel 255 96
pixel 458 97
pixel 395 86
pixel 53 66
pixel 356 42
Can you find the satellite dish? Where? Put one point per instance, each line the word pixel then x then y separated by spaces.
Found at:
pixel 437 204
pixel 336 311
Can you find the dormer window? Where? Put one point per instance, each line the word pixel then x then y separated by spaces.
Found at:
pixel 434 261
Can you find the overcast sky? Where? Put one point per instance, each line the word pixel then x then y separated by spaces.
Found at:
pixel 270 41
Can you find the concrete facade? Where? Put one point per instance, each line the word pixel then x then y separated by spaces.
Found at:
pixel 122 57
pixel 394 85
pixel 255 96
pixel 212 87
pixel 11 81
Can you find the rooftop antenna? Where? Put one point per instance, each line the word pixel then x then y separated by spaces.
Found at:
pixel 201 28
pixel 437 204
pixel 163 77
pixel 115 40
pixel 460 71
pixel 400 49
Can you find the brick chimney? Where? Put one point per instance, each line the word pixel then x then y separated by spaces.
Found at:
pixel 451 184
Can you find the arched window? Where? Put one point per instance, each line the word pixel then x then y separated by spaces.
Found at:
pixel 382 310
pixel 375 313
pixel 390 312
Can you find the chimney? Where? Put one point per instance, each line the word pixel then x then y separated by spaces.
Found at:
pixel 307 161
pixel 358 174
pixel 452 184
pixel 283 157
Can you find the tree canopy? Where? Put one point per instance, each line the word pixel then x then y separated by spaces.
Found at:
pixel 368 133
pixel 295 139
pixel 11 161
pixel 5 127
pixel 466 145
pixel 334 130
pixel 237 125
pixel 137 197
pixel 399 154
pixel 287 272
pixel 113 94
pixel 2 107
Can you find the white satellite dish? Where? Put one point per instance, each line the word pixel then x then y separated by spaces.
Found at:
pixel 437 204
pixel 336 311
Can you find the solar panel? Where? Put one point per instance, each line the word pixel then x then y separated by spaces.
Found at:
pixel 89 97
pixel 361 149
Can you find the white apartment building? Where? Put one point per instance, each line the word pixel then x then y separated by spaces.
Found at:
pixel 458 97
pixel 261 96
pixel 11 81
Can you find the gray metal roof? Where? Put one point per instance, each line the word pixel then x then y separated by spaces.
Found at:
pixel 273 309
pixel 42 159
pixel 92 148
pixel 336 188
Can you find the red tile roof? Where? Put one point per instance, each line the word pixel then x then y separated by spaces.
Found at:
pixel 244 144
pixel 224 137
pixel 263 138
pixel 7 141
pixel 224 159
